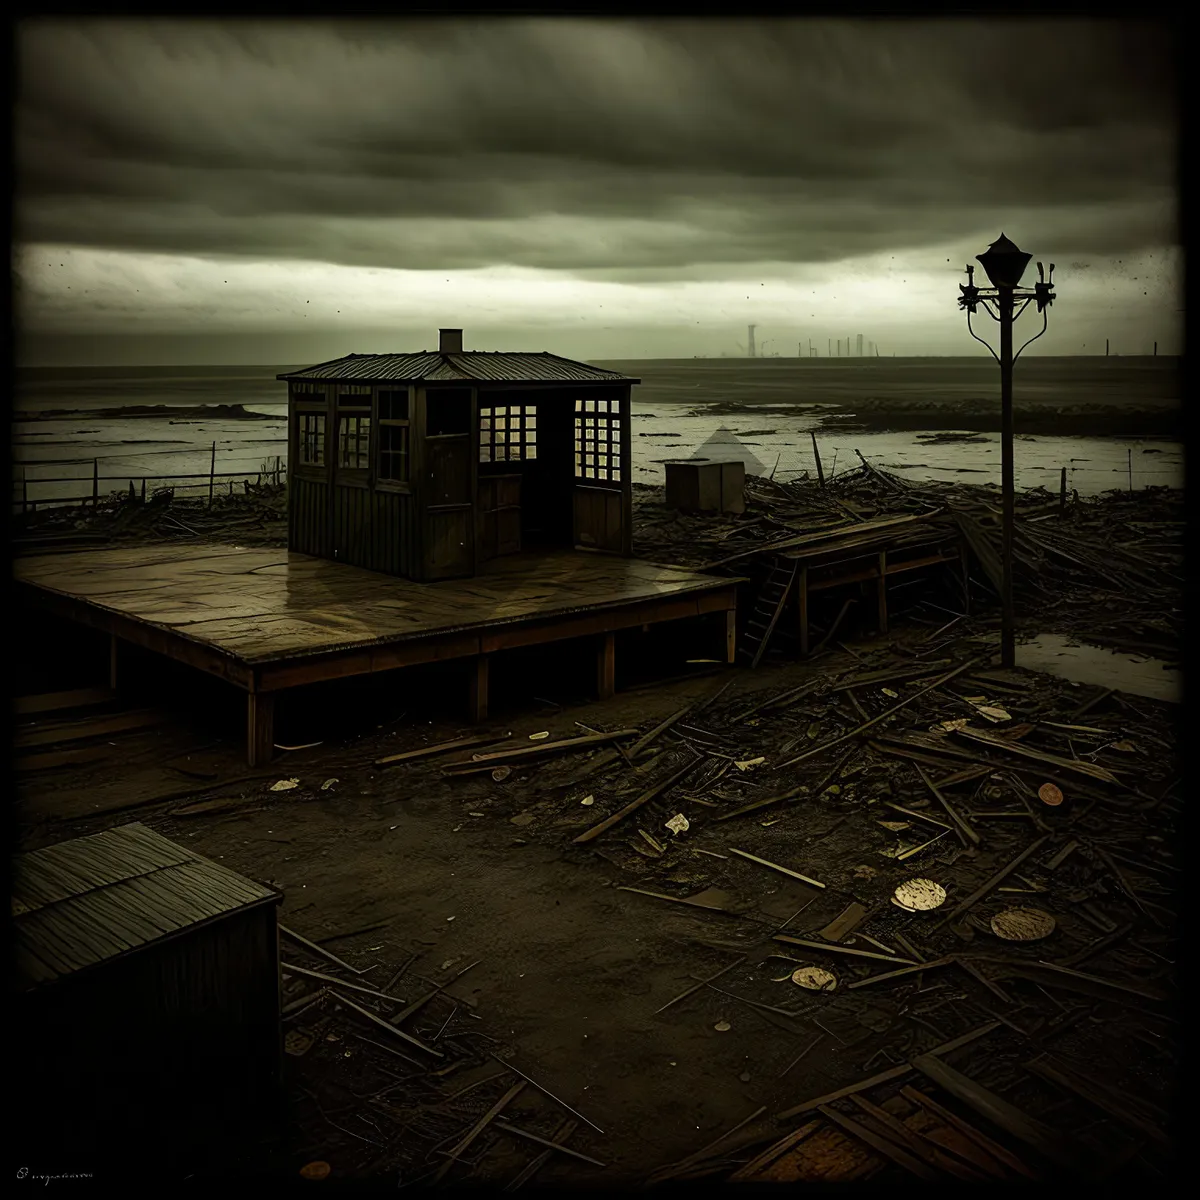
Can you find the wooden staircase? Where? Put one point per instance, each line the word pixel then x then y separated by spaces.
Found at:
pixel 768 606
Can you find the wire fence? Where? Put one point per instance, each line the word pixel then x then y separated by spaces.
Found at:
pixel 33 491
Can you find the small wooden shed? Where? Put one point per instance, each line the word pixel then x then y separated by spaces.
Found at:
pixel 148 1002
pixel 428 465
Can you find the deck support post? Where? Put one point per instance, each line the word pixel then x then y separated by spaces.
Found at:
pixel 731 636
pixel 477 687
pixel 260 728
pixel 606 665
pixel 802 609
pixel 882 592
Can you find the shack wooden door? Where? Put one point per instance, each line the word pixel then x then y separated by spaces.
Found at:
pixel 601 516
pixel 449 499
pixel 500 515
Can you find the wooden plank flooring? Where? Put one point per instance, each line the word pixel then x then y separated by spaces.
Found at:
pixel 260 606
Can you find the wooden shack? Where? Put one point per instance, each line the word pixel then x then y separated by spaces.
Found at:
pixel 428 465
pixel 147 1003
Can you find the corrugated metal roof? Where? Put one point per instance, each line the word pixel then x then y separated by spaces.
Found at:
pixel 469 366
pixel 85 901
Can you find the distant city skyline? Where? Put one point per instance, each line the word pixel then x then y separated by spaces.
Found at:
pixel 294 191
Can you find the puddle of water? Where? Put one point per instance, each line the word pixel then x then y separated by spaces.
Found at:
pixel 1058 655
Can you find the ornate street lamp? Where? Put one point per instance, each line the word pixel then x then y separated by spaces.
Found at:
pixel 1005 264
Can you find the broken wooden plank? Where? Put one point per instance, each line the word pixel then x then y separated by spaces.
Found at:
pixel 999 1153
pixel 913 970
pixel 679 900
pixel 377 1020
pixel 883 716
pixel 476 1129
pixel 24 706
pixel 886 1076
pixel 487 739
pixel 920 816
pixel 704 982
pixel 1052 1144
pixel 1115 1103
pixel 879 1144
pixel 775 1151
pixel 319 951
pixel 553 1146
pixel 649 794
pixel 966 833
pixel 1062 856
pixel 51 759
pixel 995 880
pixel 545 1091
pixel 643 742
pixel 529 1171
pixel 1075 766
pixel 831 947
pixel 966 775
pixel 565 744
pixel 978 975
pixel 850 918
pixel 762 862
pixel 307 973
pixel 1087 707
pixel 927 1151
pixel 76 731
pixel 896 674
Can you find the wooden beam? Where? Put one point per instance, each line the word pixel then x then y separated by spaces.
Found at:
pixel 881 592
pixel 50 702
pixel 730 636
pixel 606 666
pixel 802 610
pixel 149 637
pixel 260 728
pixel 477 688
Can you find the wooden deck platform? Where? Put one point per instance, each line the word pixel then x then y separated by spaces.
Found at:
pixel 269 620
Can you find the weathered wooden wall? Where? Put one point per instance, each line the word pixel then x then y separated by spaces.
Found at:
pixel 171 1053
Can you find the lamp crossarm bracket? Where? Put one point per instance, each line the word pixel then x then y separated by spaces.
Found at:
pixel 1035 336
pixel 980 340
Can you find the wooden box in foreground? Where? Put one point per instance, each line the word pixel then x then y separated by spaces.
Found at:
pixel 148 1003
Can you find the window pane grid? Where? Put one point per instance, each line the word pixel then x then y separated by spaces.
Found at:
pixel 598 440
pixel 508 433
pixel 312 439
pixel 354 442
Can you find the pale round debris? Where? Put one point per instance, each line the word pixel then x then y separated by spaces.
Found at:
pixel 816 979
pixel 501 773
pixel 722 1027
pixel 1050 794
pixel 919 895
pixel 1023 924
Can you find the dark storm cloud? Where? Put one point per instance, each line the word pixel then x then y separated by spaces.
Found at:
pixel 592 147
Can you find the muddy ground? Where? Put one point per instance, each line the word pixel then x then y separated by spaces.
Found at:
pixel 416 875
pixel 569 971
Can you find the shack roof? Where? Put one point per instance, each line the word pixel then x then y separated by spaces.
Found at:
pixel 466 366
pixel 93 899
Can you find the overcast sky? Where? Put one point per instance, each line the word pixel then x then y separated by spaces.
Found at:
pixel 291 191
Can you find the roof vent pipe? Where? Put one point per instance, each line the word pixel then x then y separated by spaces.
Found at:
pixel 450 341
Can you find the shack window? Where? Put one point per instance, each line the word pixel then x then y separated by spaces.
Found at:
pixel 393 436
pixel 447 411
pixel 312 439
pixel 508 433
pixel 598 440
pixel 354 441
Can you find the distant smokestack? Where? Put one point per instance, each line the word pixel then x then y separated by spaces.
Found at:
pixel 450 341
pixel 750 340
pixel 859 352
pixel 829 347
pixel 1106 347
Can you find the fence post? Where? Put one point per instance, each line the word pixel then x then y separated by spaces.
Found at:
pixel 95 481
pixel 212 474
pixel 1129 459
pixel 1062 492
pixel 143 489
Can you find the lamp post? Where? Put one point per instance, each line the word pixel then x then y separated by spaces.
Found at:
pixel 1005 264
